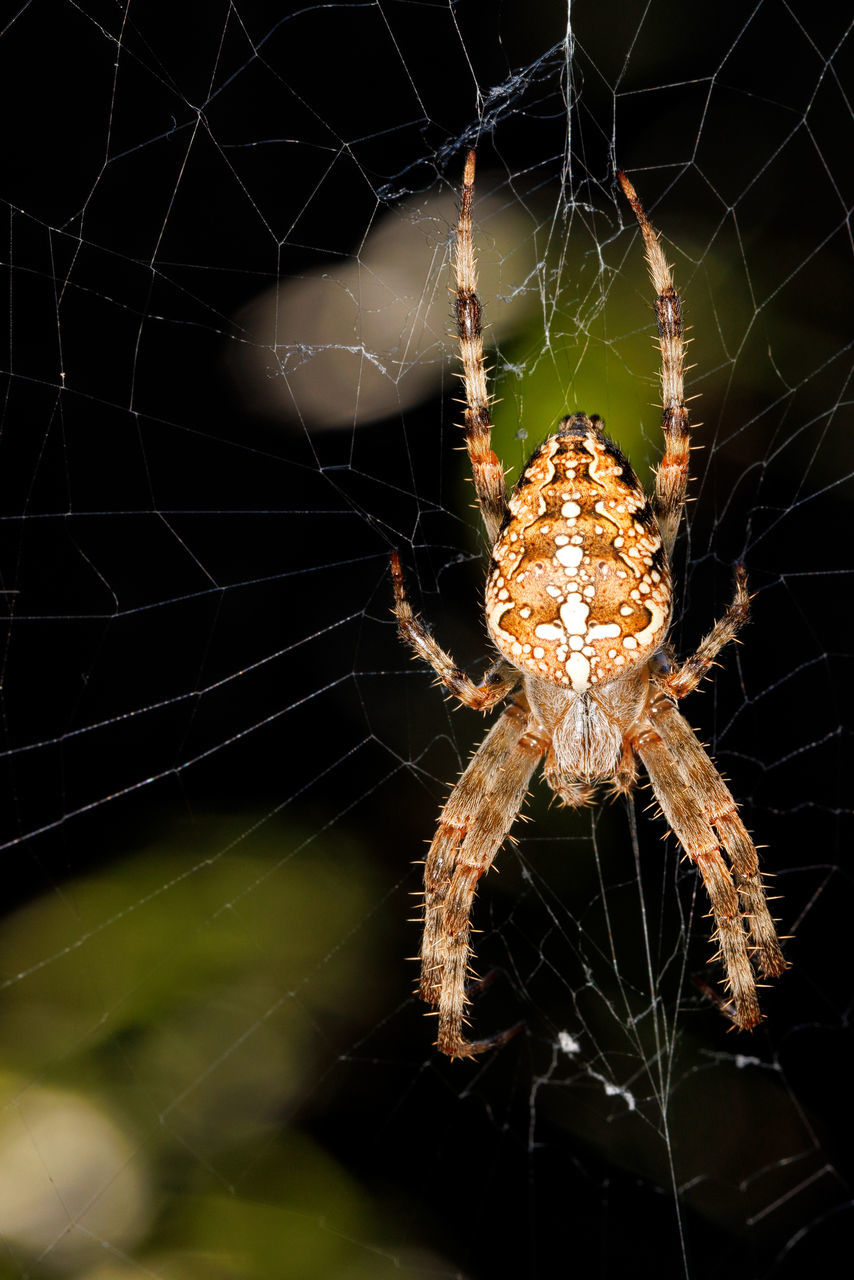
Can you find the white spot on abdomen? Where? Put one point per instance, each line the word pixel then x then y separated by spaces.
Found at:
pixel 549 631
pixel 569 557
pixel 656 624
pixel 578 670
pixel 574 614
pixel 603 631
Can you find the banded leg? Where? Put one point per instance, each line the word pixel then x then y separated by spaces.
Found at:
pixel 720 810
pixel 499 680
pixel 695 834
pixel 474 822
pixel 487 471
pixel 685 678
pixel 671 479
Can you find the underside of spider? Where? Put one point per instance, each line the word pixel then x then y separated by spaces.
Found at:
pixel 578 605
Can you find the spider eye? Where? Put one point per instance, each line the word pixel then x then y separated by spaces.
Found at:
pixel 660 664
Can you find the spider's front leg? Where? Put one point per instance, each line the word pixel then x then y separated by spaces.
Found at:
pixel 704 781
pixel 714 798
pixel 704 818
pixel 499 680
pixel 683 808
pixel 473 824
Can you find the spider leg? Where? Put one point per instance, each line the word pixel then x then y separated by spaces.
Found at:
pixel 472 827
pixel 694 832
pixel 496 684
pixel 487 471
pixel 720 810
pixel 671 478
pixel 685 678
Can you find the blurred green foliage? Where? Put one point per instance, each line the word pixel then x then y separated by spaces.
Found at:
pixel 159 1022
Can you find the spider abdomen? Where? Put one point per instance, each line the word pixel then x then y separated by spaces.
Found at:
pixel 579 588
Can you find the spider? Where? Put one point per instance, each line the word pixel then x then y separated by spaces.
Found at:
pixel 578 605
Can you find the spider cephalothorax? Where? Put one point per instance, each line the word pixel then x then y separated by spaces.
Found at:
pixel 578 603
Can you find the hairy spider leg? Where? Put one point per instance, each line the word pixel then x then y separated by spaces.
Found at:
pixel 473 825
pixel 720 811
pixel 685 677
pixel 671 477
pixel 499 680
pixel 694 832
pixel 487 471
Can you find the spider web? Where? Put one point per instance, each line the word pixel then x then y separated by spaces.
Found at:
pixel 229 394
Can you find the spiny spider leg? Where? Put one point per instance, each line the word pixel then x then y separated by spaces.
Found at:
pixel 720 811
pixel 487 471
pixel 694 832
pixel 499 680
pixel 681 681
pixel 472 827
pixel 671 479
pixel 708 787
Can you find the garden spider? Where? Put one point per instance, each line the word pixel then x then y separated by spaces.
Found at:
pixel 578 604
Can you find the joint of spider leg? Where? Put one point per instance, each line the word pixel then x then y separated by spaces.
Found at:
pixel 675 417
pixel 477 425
pixel 668 311
pixel 469 315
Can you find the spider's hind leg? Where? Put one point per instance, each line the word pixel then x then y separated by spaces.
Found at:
pixel 487 471
pixel 671 478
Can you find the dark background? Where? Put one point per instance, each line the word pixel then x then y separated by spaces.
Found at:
pixel 211 733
